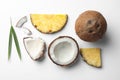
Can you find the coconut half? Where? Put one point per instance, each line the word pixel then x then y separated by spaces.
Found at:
pixel 63 50
pixel 35 47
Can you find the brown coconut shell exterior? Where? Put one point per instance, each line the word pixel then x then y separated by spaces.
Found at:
pixel 90 26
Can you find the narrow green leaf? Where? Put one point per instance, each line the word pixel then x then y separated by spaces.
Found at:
pixel 10 44
pixel 16 42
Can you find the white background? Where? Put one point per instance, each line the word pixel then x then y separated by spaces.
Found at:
pixel 28 69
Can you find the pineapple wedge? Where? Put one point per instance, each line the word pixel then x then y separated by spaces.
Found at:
pixel 49 23
pixel 91 56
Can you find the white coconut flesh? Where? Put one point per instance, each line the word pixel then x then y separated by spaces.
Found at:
pixel 26 31
pixel 21 22
pixel 63 51
pixel 35 47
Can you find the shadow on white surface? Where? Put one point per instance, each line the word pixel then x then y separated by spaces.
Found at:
pixel 105 41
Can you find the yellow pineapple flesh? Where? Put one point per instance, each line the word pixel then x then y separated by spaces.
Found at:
pixel 48 23
pixel 92 56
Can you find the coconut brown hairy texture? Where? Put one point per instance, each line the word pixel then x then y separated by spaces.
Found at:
pixel 90 26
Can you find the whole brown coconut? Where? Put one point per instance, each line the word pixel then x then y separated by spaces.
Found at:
pixel 90 26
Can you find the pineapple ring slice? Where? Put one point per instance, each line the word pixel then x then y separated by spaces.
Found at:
pixel 49 23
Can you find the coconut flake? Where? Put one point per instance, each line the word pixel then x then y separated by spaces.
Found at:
pixel 21 22
pixel 26 31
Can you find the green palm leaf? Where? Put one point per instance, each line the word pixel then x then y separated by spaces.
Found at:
pixel 16 42
pixel 10 44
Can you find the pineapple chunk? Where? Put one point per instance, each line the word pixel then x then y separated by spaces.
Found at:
pixel 91 56
pixel 48 23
